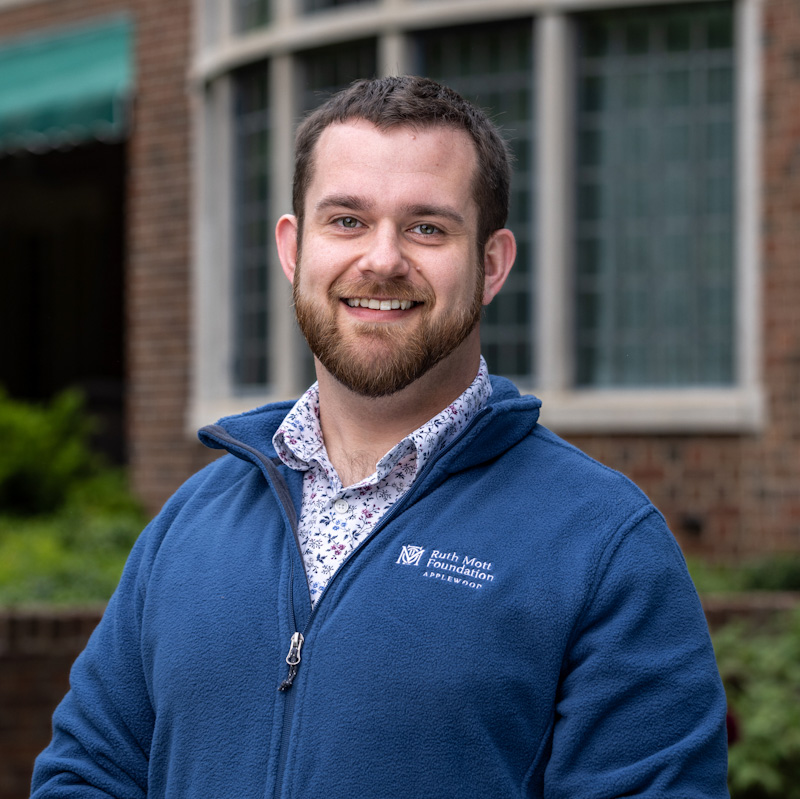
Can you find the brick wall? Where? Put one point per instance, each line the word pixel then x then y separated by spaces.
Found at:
pixel 162 452
pixel 37 649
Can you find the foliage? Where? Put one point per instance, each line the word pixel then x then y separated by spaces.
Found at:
pixel 761 672
pixel 75 554
pixel 775 573
pixel 67 522
pixel 44 454
pixel 778 572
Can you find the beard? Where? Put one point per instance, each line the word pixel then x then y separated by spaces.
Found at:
pixel 379 359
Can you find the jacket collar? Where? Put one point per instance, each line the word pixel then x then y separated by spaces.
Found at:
pixel 505 420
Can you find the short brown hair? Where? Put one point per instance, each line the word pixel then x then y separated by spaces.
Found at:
pixel 420 103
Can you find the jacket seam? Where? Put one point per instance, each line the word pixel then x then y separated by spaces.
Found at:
pixel 606 556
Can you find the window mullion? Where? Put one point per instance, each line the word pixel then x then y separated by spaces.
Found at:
pixel 285 10
pixel 226 20
pixel 393 54
pixel 213 248
pixel 554 158
pixel 284 339
pixel 748 32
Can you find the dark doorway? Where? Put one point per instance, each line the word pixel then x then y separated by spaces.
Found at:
pixel 61 303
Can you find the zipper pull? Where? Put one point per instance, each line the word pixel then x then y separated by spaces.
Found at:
pixel 293 659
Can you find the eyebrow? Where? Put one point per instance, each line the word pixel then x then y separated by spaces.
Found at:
pixel 350 201
pixel 353 202
pixel 443 211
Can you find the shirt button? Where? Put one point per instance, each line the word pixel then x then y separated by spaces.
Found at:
pixel 341 506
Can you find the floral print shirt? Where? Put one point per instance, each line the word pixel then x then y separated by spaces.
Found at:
pixel 334 519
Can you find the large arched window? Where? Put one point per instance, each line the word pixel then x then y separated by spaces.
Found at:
pixel 633 303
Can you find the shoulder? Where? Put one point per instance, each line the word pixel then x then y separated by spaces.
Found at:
pixel 553 472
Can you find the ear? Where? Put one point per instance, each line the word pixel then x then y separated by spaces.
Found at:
pixel 286 239
pixel 498 258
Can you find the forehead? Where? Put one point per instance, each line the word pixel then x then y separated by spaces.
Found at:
pixel 356 156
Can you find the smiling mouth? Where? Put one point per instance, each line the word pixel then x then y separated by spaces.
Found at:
pixel 380 305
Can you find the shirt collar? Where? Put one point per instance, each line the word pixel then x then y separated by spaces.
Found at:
pixel 298 441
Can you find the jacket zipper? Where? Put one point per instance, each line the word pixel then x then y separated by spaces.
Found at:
pixel 293 659
pixel 293 655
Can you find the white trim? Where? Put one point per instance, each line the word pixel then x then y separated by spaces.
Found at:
pixel 284 10
pixel 670 411
pixel 554 159
pixel 674 411
pixel 393 56
pixel 212 287
pixel 207 411
pixel 748 36
pixel 284 347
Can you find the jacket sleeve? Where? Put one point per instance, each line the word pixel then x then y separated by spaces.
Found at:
pixel 104 725
pixel 641 708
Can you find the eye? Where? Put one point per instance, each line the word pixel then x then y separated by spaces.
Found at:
pixel 426 229
pixel 348 222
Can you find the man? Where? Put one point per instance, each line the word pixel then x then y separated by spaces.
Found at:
pixel 403 585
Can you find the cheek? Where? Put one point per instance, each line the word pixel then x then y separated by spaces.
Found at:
pixel 312 272
pixel 456 281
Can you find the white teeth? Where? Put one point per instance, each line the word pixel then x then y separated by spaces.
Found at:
pixel 379 305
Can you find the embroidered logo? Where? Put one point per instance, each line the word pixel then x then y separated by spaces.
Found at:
pixel 411 555
pixel 456 568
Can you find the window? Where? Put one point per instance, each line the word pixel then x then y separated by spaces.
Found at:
pixel 251 14
pixel 319 5
pixel 325 71
pixel 654 251
pixel 633 304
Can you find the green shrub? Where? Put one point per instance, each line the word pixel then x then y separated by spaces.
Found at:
pixel 65 558
pixel 761 672
pixel 45 452
pixel 775 572
pixel 713 578
pixel 74 555
pixel 67 522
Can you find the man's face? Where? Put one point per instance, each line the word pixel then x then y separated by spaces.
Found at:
pixel 391 282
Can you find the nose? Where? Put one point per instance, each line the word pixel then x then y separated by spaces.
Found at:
pixel 384 256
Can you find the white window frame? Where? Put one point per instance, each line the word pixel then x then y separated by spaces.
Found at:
pixel 218 50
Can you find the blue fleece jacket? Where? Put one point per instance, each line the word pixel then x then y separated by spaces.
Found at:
pixel 520 624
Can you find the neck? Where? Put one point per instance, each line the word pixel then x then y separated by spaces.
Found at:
pixel 358 431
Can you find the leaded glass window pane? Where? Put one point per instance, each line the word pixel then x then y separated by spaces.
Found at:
pixel 252 14
pixel 325 71
pixel 654 249
pixel 492 66
pixel 319 5
pixel 253 231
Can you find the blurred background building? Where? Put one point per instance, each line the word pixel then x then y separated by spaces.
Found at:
pixel 146 152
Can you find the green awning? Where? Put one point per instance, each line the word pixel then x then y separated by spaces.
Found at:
pixel 66 88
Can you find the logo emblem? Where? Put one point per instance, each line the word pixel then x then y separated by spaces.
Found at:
pixel 410 556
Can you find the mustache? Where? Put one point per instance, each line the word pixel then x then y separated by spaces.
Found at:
pixel 393 288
